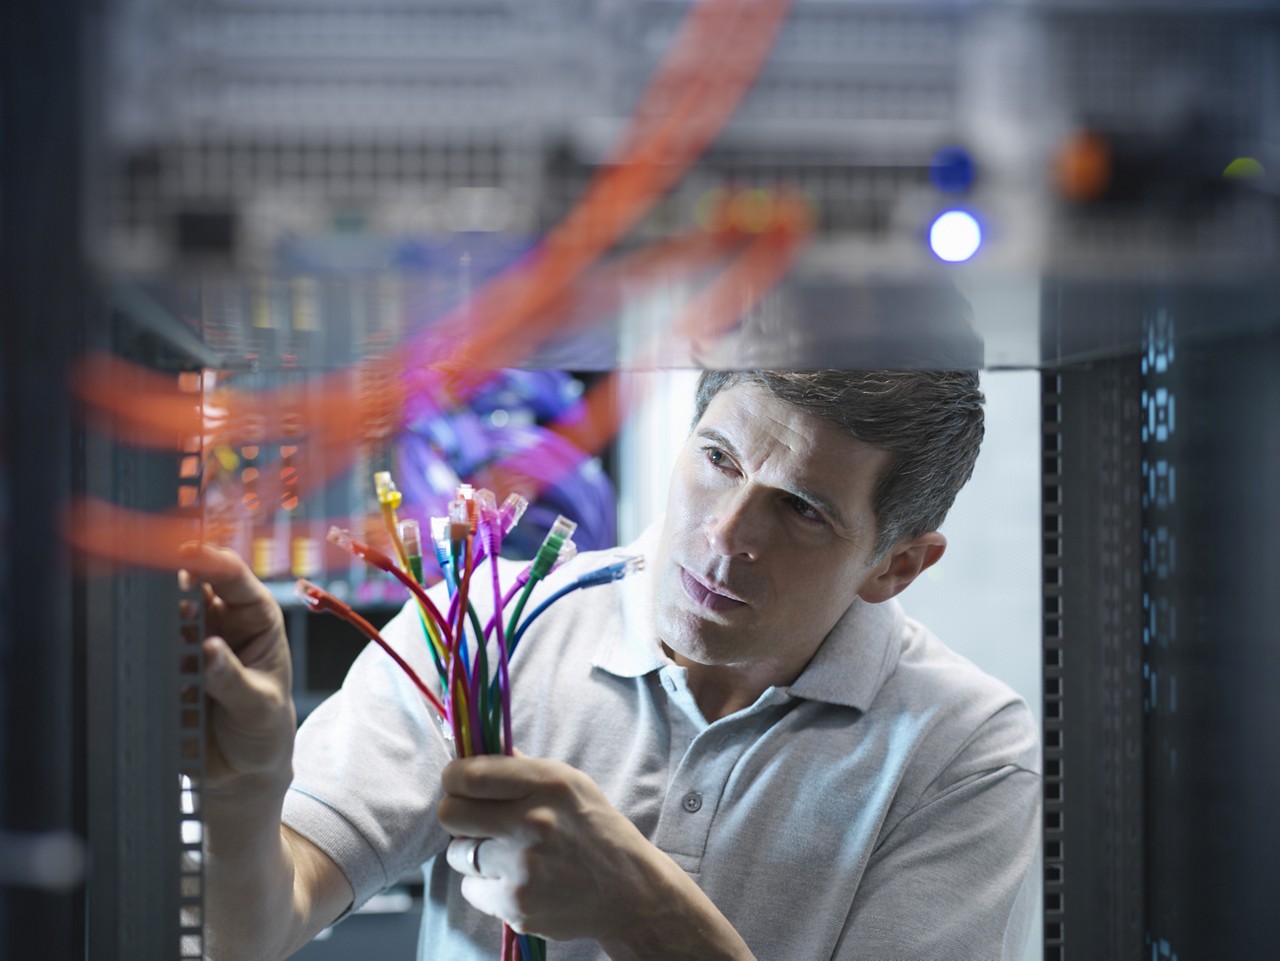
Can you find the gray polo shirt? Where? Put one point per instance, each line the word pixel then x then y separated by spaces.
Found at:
pixel 884 806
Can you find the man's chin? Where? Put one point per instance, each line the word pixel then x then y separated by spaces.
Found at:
pixel 707 637
pixel 699 649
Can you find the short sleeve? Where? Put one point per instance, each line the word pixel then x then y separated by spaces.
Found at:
pixel 367 766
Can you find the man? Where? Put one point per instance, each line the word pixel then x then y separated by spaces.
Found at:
pixel 748 751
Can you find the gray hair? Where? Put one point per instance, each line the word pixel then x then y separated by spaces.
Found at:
pixel 929 421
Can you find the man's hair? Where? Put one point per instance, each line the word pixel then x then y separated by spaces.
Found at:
pixel 929 421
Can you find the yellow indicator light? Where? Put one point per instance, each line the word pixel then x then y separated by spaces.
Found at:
pixel 1243 168
pixel 752 211
pixel 306 557
pixel 227 458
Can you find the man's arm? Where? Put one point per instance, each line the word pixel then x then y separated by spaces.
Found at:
pixel 269 890
pixel 558 860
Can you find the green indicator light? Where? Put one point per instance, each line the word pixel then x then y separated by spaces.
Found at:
pixel 1243 168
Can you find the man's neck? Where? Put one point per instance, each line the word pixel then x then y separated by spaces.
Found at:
pixel 721 690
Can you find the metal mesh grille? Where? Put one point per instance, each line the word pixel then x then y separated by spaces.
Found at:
pixel 1051 564
pixel 1093 728
pixel 191 708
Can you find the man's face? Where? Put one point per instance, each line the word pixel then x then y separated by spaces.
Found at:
pixel 769 533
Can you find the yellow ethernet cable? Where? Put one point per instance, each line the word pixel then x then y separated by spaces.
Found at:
pixel 389 499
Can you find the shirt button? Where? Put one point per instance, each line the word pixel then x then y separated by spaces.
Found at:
pixel 692 802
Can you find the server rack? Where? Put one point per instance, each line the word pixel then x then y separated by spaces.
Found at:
pixel 1158 556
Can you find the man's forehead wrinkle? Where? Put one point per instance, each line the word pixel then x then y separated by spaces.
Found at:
pixel 785 431
pixel 795 432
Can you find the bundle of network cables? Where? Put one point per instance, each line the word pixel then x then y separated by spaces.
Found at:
pixel 471 693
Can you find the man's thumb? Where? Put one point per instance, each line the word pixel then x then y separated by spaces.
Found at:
pixel 225 678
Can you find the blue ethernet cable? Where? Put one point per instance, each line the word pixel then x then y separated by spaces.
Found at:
pixel 604 575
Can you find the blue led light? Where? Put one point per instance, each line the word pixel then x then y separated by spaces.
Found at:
pixel 951 170
pixel 955 236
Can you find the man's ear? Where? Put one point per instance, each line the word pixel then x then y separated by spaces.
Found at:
pixel 903 565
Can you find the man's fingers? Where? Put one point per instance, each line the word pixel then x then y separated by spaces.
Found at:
pixel 493 777
pixel 465 818
pixel 493 897
pixel 476 857
pixel 486 881
pixel 226 572
pixel 492 795
pixel 227 681
pixel 238 606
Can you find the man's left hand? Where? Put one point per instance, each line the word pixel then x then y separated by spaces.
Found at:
pixel 540 847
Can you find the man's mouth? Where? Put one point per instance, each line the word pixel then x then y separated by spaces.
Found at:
pixel 711 596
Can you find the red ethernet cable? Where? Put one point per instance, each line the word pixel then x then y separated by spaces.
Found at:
pixel 319 599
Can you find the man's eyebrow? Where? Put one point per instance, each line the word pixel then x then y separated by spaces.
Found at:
pixel 717 438
pixel 826 506
pixel 823 504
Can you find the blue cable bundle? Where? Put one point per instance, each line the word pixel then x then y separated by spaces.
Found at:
pixel 504 423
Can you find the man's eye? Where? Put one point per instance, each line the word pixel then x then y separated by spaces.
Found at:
pixel 806 510
pixel 716 457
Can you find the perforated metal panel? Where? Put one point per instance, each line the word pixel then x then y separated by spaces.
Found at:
pixel 191 705
pixel 1093 837
pixel 1054 655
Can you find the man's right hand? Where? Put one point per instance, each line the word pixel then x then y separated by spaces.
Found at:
pixel 269 890
pixel 248 678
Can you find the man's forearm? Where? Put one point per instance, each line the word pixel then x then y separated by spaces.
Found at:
pixel 675 922
pixel 251 901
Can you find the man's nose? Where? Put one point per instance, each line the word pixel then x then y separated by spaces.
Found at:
pixel 735 526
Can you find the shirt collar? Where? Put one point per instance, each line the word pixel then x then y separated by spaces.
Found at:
pixel 856 658
pixel 848 669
